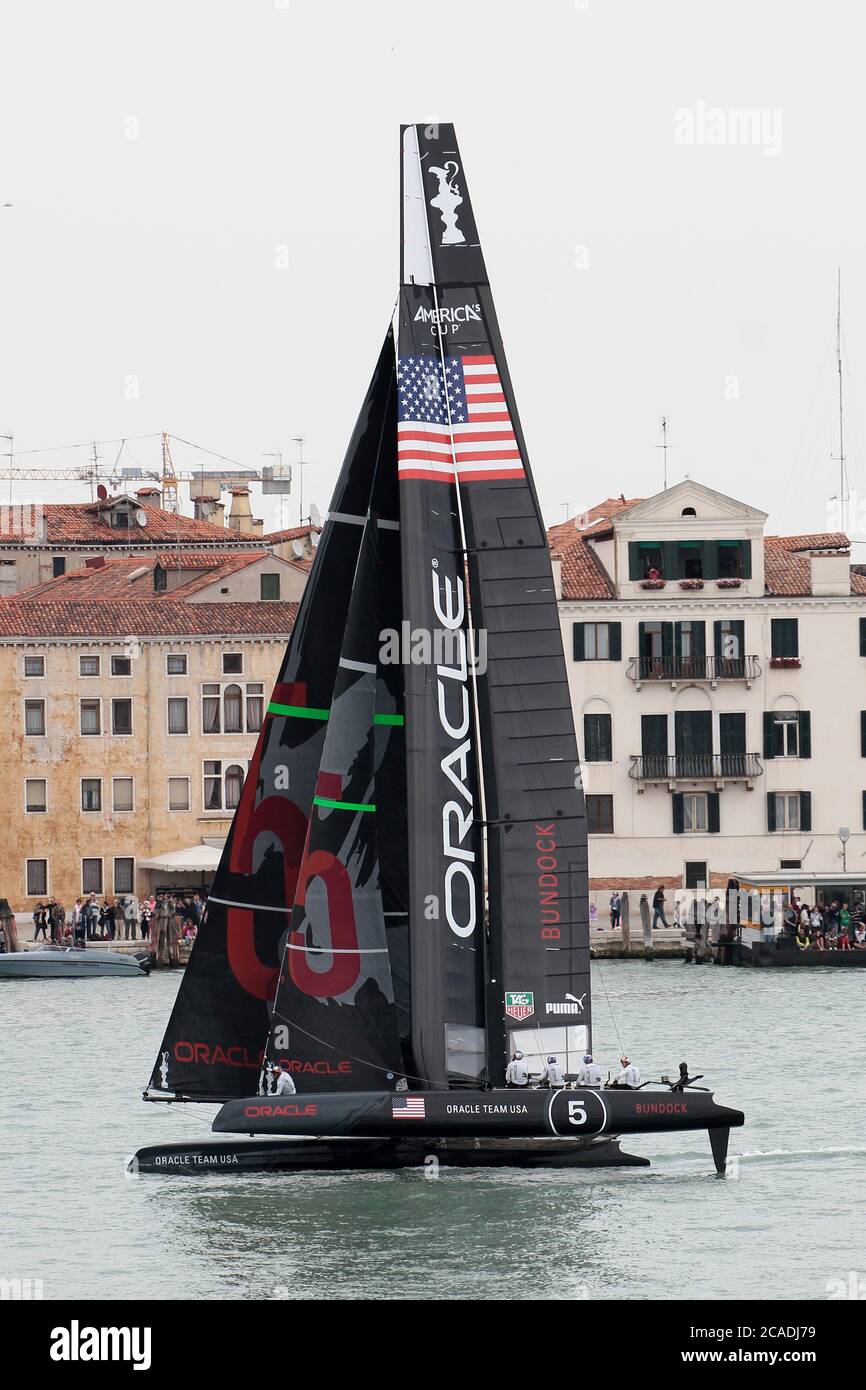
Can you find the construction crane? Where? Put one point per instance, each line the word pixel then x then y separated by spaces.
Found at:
pixel 169 479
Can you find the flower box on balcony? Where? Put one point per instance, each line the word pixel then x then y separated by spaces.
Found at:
pixel 728 583
pixel 784 663
pixel 691 583
pixel 652 583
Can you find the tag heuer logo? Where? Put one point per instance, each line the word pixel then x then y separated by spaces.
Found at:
pixel 519 1004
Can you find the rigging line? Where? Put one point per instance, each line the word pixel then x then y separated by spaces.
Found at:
pixel 350 1056
pixel 622 1052
pixel 191 445
pixel 87 444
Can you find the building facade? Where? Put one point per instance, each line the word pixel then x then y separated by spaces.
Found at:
pixel 131 724
pixel 718 679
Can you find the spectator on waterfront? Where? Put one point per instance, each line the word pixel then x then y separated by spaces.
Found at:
pixel 590 1072
pixel 57 919
pixel 593 915
pixel 801 938
pixel 198 908
pixel 117 919
pixel 844 919
pixel 615 909
pixel 159 932
pixel 106 919
pixel 285 1085
pixel 146 918
pixel 860 934
pixel 40 922
pixel 659 908
pixel 130 918
pixel 628 1078
pixel 79 925
pixel 91 916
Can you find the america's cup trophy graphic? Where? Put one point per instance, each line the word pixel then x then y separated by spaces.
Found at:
pixel 163 1071
pixel 447 201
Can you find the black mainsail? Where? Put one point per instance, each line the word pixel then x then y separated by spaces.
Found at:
pixel 214 1045
pixel 458 418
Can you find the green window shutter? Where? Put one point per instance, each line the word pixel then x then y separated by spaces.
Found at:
pixel 634 563
pixel 863 636
pixel 577 639
pixel 713 813
pixel 671 560
pixel 667 641
pixel 769 735
pixel 747 559
pixel 717 640
pixel 710 559
pixel 863 733
pixel 614 636
pixel 641 638
pixel 784 637
pixel 679 814
pixel 699 640
pixel 804 721
pixel 771 812
pixel 805 810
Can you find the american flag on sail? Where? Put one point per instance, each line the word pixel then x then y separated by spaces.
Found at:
pixel 408 1108
pixel 479 437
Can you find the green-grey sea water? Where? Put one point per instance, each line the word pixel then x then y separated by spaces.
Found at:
pixel 787 1220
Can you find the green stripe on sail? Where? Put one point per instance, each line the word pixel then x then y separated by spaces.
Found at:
pixel 302 712
pixel 343 805
pixel 297 711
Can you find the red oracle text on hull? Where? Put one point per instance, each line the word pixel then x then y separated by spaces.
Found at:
pixel 288 1112
pixel 548 881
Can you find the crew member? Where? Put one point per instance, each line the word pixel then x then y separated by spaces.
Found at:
pixel 590 1072
pixel 629 1078
pixel 553 1075
pixel 517 1072
pixel 285 1085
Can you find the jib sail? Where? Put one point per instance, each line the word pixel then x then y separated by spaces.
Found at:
pixel 539 995
pixel 335 1024
pixel 214 1045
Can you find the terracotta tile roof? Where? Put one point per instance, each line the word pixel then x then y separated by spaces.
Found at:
pixel 291 533
pixel 156 617
pixel 112 579
pixel 583 575
pixel 787 571
pixel 78 523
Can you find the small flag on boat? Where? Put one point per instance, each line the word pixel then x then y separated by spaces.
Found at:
pixel 456 416
pixel 408 1108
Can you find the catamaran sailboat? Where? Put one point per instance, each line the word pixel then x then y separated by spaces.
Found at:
pixel 402 898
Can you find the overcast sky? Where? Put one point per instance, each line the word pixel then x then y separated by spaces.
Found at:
pixel 160 153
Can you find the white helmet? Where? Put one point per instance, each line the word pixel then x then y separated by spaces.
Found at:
pixel 518 1056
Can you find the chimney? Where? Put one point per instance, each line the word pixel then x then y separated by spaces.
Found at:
pixel 203 507
pixel 240 518
pixel 830 573
pixel 556 566
pixel 151 496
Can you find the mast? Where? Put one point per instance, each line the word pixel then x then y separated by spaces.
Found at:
pixel 538 973
pixel 840 457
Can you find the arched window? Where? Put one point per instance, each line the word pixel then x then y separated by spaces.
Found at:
pixel 688 511
pixel 234 784
pixel 233 709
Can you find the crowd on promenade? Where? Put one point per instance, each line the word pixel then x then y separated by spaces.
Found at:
pixel 162 921
pixel 836 927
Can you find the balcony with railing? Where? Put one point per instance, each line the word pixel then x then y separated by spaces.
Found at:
pixel 710 669
pixel 695 767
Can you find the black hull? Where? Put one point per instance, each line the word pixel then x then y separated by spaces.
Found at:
pixel 768 956
pixel 374 1155
pixel 482 1115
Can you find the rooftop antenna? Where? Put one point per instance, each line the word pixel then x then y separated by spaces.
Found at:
pixel 664 446
pixel 302 463
pixel 840 457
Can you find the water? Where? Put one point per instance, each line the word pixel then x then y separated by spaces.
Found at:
pixel 782 1046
